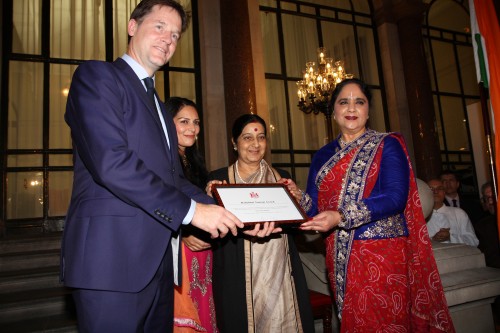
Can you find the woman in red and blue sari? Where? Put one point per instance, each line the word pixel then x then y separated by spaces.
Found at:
pixel 363 196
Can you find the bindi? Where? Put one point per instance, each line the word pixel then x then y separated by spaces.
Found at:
pixel 255 129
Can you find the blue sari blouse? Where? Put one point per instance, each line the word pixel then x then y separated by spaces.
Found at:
pixel 389 195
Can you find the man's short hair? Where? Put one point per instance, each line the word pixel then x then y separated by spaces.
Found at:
pixel 449 172
pixel 146 6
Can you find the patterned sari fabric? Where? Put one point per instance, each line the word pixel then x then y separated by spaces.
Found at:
pixel 194 309
pixel 381 284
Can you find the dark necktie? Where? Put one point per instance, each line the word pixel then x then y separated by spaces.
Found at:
pixel 454 202
pixel 175 240
pixel 150 86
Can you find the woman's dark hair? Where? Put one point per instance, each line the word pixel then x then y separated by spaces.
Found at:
pixel 364 89
pixel 145 6
pixel 243 120
pixel 175 104
pixel 196 172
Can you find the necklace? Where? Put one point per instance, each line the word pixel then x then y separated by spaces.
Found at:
pixel 256 177
pixel 344 143
pixel 184 159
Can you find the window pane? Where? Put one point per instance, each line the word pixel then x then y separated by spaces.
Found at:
pixel 270 41
pixel 281 158
pixel 60 79
pixel 448 15
pixel 308 130
pixel 366 53
pixel 182 84
pixel 454 124
pixel 26 23
pixel 377 118
pixel 29 160
pixel 184 55
pixel 301 42
pixel 339 39
pixel 278 118
pixel 24 195
pixel 122 10
pixel 288 6
pixel 446 68
pixel 59 192
pixel 61 160
pixel 25 105
pixel 268 3
pixel 303 158
pixel 77 29
pixel 363 19
pixel 468 70
pixel 308 10
pixel 362 6
pixel 301 177
pixel 332 3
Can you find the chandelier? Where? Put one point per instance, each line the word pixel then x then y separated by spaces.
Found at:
pixel 317 85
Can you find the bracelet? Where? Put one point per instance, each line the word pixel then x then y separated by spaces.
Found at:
pixel 342 217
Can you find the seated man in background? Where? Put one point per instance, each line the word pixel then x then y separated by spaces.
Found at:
pixel 456 198
pixel 486 228
pixel 449 224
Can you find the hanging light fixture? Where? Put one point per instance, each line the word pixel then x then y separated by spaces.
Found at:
pixel 316 87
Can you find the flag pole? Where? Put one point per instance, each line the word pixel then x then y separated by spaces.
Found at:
pixel 483 94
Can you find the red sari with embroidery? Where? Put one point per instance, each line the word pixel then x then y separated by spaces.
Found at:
pixel 381 284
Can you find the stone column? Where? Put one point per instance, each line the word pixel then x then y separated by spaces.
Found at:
pixel 242 61
pixel 392 68
pixel 214 115
pixel 409 15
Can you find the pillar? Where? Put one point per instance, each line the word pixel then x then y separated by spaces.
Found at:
pixel 409 16
pixel 244 81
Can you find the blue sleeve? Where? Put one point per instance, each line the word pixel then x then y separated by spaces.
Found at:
pixel 310 203
pixel 390 194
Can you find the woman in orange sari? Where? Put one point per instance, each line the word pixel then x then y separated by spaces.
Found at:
pixel 363 195
pixel 194 309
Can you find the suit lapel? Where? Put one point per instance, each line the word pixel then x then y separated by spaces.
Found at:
pixel 171 130
pixel 135 83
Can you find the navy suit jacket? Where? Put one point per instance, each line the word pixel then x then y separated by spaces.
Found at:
pixel 129 192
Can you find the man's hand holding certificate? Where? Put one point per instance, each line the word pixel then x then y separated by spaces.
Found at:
pixel 256 203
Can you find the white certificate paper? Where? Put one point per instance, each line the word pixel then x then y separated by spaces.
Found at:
pixel 253 203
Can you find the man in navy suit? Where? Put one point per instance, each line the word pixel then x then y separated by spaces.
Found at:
pixel 129 193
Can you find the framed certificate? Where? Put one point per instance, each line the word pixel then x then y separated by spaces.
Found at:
pixel 253 203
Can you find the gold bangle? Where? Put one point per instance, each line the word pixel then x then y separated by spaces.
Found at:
pixel 342 217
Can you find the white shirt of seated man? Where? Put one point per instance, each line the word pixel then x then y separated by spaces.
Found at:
pixel 459 224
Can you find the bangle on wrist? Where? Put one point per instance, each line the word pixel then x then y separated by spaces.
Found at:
pixel 342 217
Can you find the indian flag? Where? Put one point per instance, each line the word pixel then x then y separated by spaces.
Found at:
pixel 486 38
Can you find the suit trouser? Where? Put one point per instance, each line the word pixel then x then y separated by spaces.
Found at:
pixel 150 310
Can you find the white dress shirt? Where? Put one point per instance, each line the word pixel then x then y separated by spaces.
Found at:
pixel 461 229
